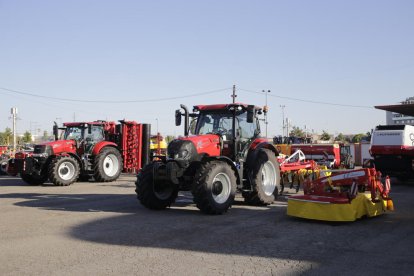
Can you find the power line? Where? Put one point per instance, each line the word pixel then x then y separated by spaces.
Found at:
pixel 115 101
pixel 307 101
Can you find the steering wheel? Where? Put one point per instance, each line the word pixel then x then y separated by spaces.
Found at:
pixel 220 130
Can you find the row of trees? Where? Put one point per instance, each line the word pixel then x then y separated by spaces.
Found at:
pixel 298 132
pixel 6 137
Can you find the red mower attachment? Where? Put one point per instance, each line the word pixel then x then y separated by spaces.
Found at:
pixel 342 195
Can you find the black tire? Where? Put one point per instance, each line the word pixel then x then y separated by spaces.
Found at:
pixel 3 166
pixel 214 187
pixel 155 196
pixel 107 165
pixel 64 170
pixel 33 179
pixel 265 178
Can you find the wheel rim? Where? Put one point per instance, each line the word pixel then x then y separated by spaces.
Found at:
pixel 221 188
pixel 111 165
pixel 269 178
pixel 66 170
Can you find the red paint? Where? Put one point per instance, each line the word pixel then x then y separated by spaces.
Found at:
pixel 258 141
pixel 332 150
pixel 98 147
pixel 392 150
pixel 205 144
pixel 62 146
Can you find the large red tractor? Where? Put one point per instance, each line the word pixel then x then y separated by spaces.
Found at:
pixel 100 149
pixel 224 154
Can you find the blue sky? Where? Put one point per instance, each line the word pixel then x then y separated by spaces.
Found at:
pixel 357 53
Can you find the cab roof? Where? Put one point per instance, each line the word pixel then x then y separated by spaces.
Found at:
pixel 87 123
pixel 222 106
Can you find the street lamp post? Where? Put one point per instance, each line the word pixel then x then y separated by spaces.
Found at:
pixel 283 119
pixel 265 109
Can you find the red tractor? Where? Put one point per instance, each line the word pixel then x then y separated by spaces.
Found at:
pixel 224 154
pixel 100 149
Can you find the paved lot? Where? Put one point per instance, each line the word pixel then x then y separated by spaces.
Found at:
pixel 100 229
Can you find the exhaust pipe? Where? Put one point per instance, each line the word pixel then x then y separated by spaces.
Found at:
pixel 186 119
pixel 146 138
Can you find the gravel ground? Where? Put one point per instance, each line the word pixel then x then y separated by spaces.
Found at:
pixel 100 229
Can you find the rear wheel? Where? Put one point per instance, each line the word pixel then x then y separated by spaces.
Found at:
pixel 214 187
pixel 64 170
pixel 265 179
pixel 154 195
pixel 33 179
pixel 108 165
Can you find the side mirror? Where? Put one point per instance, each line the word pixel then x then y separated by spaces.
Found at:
pixel 250 113
pixel 55 131
pixel 177 117
pixel 89 129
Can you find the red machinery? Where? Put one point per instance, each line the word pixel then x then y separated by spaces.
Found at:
pixel 294 169
pixel 330 155
pixel 102 149
pixel 342 196
pixel 225 154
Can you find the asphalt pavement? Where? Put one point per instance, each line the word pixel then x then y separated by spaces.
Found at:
pixel 93 228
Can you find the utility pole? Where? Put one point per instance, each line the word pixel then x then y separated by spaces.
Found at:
pixel 265 109
pixel 13 111
pixel 283 120
pixel 234 94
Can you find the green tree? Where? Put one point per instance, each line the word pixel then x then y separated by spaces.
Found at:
pixel 340 138
pixel 27 137
pixel 325 136
pixel 169 138
pixel 6 137
pixel 358 137
pixel 297 132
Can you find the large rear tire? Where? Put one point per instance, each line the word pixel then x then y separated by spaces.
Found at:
pixel 156 196
pixel 64 170
pixel 265 178
pixel 214 187
pixel 107 165
pixel 32 179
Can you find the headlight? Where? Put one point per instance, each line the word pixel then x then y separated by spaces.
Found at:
pixel 182 154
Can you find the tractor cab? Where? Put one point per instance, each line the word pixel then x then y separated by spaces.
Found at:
pixel 236 125
pixel 86 135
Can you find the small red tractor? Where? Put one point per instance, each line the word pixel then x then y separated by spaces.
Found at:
pixel 100 149
pixel 224 154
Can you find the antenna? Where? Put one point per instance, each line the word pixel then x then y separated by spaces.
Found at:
pixel 234 94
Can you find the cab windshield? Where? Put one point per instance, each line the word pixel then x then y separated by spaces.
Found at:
pixel 81 132
pixel 221 123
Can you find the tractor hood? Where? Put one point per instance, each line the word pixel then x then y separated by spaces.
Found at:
pixel 205 144
pixel 191 148
pixel 56 147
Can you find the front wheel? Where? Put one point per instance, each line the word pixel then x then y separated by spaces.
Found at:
pixel 214 187
pixel 108 165
pixel 3 166
pixel 154 195
pixel 264 180
pixel 64 170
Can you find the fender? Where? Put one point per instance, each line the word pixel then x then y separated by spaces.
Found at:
pixel 75 156
pixel 228 161
pixel 97 148
pixel 255 148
